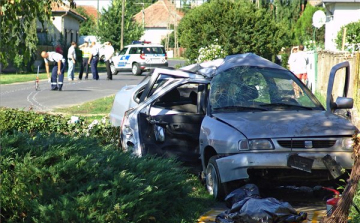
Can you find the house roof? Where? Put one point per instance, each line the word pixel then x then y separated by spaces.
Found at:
pixel 60 9
pixel 160 14
pixel 90 10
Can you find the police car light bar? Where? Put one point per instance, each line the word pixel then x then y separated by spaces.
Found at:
pixel 140 42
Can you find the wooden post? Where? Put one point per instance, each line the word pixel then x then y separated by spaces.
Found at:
pixel 343 39
pixel 122 25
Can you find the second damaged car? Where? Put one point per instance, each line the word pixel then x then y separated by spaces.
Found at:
pixel 238 120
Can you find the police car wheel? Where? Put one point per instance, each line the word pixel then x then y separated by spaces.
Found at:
pixel 136 70
pixel 113 70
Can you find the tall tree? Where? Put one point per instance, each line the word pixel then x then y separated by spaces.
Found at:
pixel 18 36
pixel 237 26
pixel 86 27
pixel 110 23
pixel 304 31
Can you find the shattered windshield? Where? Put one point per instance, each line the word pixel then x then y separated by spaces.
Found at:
pixel 259 89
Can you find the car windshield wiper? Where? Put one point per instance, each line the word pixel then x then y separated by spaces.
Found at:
pixel 238 108
pixel 285 105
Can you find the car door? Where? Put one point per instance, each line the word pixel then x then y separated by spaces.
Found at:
pixel 170 126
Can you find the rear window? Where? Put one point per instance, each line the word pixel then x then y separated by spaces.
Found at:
pixel 153 50
pixel 135 50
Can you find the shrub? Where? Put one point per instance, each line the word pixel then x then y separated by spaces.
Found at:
pixel 55 170
pixel 65 179
pixel 352 38
pixel 34 122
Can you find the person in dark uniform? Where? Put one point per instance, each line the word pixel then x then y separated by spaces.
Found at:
pixel 57 74
pixel 93 60
pixel 84 66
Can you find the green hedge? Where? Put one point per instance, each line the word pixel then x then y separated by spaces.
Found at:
pixel 33 122
pixel 53 176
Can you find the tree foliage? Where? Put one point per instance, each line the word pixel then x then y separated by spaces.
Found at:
pixel 110 24
pixel 352 36
pixel 238 27
pixel 18 36
pixel 86 27
pixel 304 30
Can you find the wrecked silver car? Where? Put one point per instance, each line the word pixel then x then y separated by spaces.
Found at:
pixel 238 119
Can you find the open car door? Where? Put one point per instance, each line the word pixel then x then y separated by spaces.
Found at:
pixel 171 126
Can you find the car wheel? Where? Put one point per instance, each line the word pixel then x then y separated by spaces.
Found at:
pixel 113 70
pixel 136 70
pixel 213 181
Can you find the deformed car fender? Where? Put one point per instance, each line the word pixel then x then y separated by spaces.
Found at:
pixel 220 136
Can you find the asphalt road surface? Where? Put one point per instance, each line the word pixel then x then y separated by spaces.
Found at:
pixel 24 96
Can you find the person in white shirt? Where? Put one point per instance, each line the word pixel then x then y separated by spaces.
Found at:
pixel 93 60
pixel 71 61
pixel 298 65
pixel 57 74
pixel 109 52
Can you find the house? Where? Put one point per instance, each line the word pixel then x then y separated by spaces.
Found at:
pixel 158 20
pixel 339 13
pixel 64 28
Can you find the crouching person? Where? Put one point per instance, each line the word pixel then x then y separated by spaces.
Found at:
pixel 57 74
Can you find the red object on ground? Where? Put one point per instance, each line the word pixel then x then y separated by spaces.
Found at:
pixel 331 203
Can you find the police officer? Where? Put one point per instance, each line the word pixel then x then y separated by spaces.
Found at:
pixel 94 59
pixel 85 51
pixel 57 74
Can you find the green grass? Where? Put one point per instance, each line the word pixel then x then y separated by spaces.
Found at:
pixel 12 78
pixel 96 109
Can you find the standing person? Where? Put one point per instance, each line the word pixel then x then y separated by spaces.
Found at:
pixel 298 64
pixel 94 59
pixel 109 52
pixel 71 61
pixel 57 73
pixel 85 52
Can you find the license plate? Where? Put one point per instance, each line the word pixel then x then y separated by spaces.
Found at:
pixel 300 163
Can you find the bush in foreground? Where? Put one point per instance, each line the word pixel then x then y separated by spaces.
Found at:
pixel 61 179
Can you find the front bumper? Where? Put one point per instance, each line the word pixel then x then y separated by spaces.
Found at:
pixel 234 167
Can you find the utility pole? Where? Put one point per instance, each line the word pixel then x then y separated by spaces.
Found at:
pixel 122 24
pixel 143 12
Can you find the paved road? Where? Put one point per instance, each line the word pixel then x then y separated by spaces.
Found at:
pixel 24 96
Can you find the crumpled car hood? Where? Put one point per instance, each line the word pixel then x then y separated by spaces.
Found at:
pixel 279 124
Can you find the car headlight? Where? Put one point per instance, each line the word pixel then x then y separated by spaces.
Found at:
pixel 255 144
pixel 347 143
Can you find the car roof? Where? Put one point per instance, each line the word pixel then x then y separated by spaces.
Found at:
pixel 247 59
pixel 144 45
pixel 213 67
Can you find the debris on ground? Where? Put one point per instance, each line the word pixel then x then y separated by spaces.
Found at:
pixel 246 206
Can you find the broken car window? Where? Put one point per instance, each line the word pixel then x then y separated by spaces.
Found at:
pixel 254 87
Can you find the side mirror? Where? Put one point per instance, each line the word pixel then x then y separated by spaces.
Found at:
pixel 343 103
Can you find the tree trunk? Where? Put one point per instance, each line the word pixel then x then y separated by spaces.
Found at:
pixel 341 213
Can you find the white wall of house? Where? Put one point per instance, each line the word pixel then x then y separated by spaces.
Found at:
pixel 155 35
pixel 71 26
pixel 338 15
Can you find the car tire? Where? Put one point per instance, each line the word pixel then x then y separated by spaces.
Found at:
pixel 136 70
pixel 213 181
pixel 113 69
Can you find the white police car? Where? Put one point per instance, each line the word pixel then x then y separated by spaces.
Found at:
pixel 140 56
